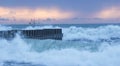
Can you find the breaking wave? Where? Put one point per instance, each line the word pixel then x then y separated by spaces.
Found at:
pixel 80 47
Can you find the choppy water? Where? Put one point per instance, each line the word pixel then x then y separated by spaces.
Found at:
pixel 81 46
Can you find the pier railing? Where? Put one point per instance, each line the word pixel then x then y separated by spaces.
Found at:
pixel 41 34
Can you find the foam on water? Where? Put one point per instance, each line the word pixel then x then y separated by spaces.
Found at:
pixel 103 32
pixel 67 52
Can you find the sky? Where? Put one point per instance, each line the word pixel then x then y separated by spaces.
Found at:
pixel 60 11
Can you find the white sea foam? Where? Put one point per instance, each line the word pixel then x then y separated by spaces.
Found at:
pixel 5 28
pixel 40 27
pixel 103 32
pixel 20 50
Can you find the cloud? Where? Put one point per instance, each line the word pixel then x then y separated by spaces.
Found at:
pixel 38 13
pixel 108 13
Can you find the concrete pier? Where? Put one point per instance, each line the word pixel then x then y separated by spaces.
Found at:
pixel 41 34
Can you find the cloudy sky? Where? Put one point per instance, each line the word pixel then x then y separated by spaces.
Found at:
pixel 60 11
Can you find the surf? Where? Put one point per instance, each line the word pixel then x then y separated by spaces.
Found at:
pixel 81 46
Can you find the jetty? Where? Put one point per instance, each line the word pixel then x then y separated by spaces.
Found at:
pixel 42 34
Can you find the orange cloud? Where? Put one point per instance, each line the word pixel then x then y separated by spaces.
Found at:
pixel 113 12
pixel 40 13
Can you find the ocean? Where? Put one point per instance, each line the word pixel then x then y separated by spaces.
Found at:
pixel 82 45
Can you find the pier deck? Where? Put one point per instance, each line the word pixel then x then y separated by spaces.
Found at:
pixel 41 34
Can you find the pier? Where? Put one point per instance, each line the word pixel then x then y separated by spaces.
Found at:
pixel 41 34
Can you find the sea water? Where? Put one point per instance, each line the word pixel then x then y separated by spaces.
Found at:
pixel 82 45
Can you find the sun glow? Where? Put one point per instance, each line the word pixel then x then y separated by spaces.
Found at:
pixel 113 12
pixel 39 13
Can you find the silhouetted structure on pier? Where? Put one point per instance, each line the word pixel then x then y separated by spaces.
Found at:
pixel 42 34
